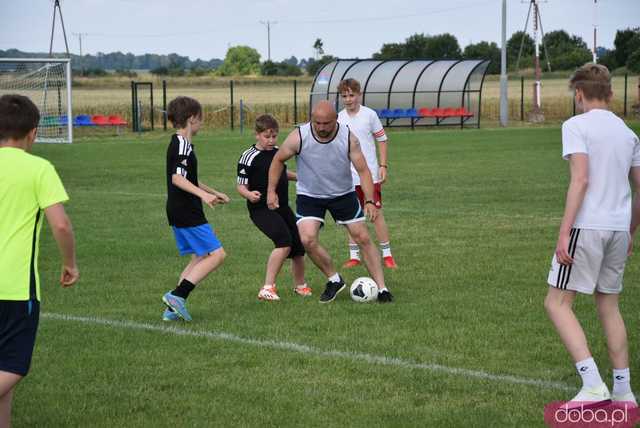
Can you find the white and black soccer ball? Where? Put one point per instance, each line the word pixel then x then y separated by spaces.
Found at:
pixel 364 290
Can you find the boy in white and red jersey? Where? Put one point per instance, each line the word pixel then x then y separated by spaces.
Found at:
pixel 364 123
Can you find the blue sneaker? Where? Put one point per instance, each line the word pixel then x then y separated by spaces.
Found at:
pixel 170 315
pixel 178 304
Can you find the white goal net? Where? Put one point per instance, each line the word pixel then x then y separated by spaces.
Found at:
pixel 47 82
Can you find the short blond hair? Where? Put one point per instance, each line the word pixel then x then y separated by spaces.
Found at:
pixel 594 80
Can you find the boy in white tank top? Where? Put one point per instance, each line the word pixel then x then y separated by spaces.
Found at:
pixel 596 233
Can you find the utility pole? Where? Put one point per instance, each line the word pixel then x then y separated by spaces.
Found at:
pixel 268 25
pixel 80 42
pixel 504 103
pixel 536 114
pixel 595 29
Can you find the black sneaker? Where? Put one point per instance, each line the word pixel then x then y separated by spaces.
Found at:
pixel 331 291
pixel 385 297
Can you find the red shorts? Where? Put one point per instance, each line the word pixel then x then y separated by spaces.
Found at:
pixel 377 194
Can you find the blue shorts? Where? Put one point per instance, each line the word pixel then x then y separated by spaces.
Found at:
pixel 198 240
pixel 344 209
pixel 18 327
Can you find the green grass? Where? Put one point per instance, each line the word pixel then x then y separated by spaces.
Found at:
pixel 473 217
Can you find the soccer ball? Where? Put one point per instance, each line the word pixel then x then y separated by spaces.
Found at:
pixel 364 290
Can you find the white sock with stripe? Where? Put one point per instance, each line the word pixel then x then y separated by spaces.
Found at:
pixel 385 247
pixel 621 381
pixel 588 371
pixel 354 252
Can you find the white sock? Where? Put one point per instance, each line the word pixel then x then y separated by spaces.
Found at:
pixel 386 249
pixel 621 381
pixel 335 277
pixel 354 252
pixel 380 290
pixel 589 373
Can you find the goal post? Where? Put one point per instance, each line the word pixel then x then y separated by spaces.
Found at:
pixel 47 82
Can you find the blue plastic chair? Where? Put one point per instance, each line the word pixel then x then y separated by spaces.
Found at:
pixel 399 113
pixel 385 113
pixel 83 120
pixel 411 112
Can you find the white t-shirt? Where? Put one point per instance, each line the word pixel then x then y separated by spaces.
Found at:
pixel 612 149
pixel 367 128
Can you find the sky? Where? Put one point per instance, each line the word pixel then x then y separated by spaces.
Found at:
pixel 348 28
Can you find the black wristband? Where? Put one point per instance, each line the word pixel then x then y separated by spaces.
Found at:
pixel 382 166
pixel 370 202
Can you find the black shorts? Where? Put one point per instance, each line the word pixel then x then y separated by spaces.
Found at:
pixel 344 209
pixel 279 226
pixel 18 327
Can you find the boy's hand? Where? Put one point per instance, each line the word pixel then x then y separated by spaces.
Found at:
pixel 371 211
pixel 69 276
pixel 254 196
pixel 272 200
pixel 210 199
pixel 630 249
pixel 224 199
pixel 562 249
pixel 382 173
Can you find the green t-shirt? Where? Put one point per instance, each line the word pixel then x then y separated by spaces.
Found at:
pixel 28 185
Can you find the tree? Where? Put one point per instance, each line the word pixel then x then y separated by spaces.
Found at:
pixel 633 63
pixel 626 42
pixel 314 66
pixel 442 46
pixel 389 51
pixel 608 59
pixel 318 46
pixel 240 61
pixel 565 52
pixel 513 47
pixel 270 68
pixel 484 50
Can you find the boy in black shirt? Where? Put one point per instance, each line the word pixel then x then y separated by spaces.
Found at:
pixel 185 194
pixel 279 225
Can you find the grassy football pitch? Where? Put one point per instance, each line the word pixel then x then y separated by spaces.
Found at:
pixel 473 216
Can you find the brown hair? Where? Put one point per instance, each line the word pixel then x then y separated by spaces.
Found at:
pixel 266 121
pixel 347 84
pixel 18 116
pixel 181 109
pixel 593 80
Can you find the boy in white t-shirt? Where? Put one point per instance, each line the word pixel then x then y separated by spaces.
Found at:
pixel 596 232
pixel 364 123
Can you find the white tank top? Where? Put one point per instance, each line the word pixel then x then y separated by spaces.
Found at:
pixel 324 169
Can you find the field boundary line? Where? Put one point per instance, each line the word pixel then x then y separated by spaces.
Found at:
pixel 312 351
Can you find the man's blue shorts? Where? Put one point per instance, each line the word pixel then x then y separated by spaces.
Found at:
pixel 198 240
pixel 18 327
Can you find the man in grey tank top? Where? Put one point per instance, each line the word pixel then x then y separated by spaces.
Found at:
pixel 324 152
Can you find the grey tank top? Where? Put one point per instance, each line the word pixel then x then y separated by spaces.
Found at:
pixel 324 169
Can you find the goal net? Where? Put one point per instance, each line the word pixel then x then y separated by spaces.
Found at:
pixel 47 82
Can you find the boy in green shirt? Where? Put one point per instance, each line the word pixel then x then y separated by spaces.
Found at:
pixel 29 187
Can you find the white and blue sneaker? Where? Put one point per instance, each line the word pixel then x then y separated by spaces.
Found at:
pixel 169 315
pixel 178 304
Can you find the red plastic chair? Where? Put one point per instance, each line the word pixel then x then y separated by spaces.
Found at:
pixel 425 112
pixel 437 112
pixel 116 120
pixel 100 120
pixel 449 112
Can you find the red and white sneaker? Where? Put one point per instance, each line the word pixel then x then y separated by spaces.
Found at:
pixel 351 263
pixel 269 293
pixel 389 262
pixel 303 290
